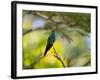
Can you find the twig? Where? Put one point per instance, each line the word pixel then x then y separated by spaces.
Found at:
pixel 58 57
pixel 42 16
pixel 31 30
pixel 66 36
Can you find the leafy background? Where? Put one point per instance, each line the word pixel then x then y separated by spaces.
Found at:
pixel 72 43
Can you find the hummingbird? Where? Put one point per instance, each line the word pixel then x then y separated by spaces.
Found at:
pixel 50 42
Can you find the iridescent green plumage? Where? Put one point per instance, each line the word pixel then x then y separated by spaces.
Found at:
pixel 51 40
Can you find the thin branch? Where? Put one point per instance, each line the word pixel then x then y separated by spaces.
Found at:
pixel 41 15
pixel 66 36
pixel 58 57
pixel 31 30
pixel 28 31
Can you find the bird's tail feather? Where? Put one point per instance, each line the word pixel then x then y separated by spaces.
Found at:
pixel 47 48
pixel 45 52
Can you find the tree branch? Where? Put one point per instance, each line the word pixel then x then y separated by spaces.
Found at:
pixel 45 18
pixel 31 30
pixel 58 57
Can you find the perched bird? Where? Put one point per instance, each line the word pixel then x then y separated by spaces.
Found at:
pixel 51 40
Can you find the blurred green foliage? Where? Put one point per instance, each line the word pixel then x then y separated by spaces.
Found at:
pixel 71 32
